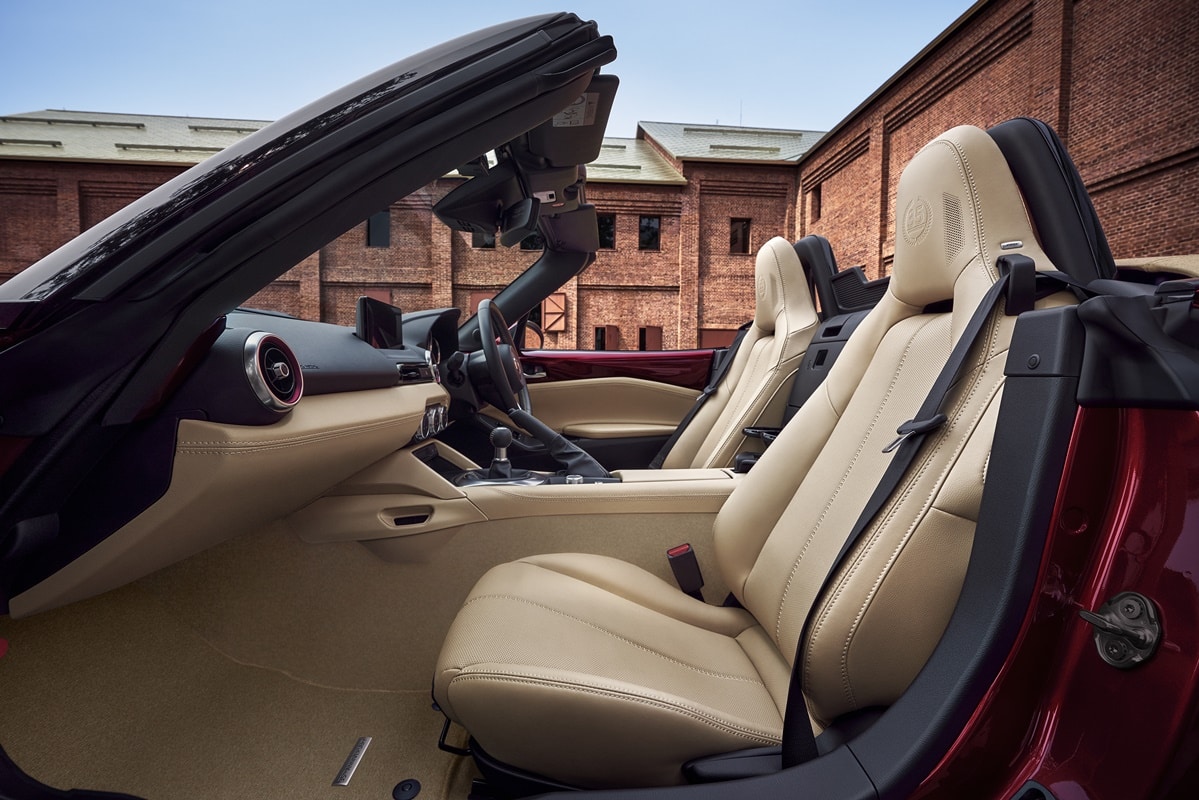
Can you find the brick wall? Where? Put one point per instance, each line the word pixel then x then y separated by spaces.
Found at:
pixel 765 196
pixel 1121 87
pixel 44 204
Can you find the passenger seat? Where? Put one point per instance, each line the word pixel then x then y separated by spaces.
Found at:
pixel 755 388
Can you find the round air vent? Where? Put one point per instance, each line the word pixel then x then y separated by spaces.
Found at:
pixel 273 371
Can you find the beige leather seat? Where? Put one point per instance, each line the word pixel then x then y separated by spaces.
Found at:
pixel 594 672
pixel 755 388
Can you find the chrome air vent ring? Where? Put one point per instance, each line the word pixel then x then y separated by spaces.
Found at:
pixel 273 371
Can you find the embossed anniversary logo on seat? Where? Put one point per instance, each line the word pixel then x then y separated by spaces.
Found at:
pixel 917 219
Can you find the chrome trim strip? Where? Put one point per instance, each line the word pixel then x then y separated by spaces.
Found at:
pixel 355 756
pixel 259 383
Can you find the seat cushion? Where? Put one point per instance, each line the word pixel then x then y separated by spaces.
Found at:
pixel 607 675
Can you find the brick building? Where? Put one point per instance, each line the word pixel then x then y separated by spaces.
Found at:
pixel 1118 81
pixel 684 207
pixel 682 211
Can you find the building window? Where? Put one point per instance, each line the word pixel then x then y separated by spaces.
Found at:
pixel 533 241
pixel 739 236
pixel 649 338
pixel 649 233
pixel 607 337
pixel 482 240
pixel 814 203
pixel 378 229
pixel 607 231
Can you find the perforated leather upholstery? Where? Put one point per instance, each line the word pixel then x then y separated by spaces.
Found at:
pixel 595 673
pixel 754 391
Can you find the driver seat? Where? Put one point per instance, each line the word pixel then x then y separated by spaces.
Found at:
pixel 754 389
pixel 592 672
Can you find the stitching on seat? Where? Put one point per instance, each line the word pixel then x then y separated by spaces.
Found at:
pixel 586 579
pixel 880 525
pixel 679 708
pixel 901 544
pixel 778 623
pixel 617 636
pixel 975 379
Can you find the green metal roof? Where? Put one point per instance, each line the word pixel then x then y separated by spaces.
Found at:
pixel 686 142
pixel 134 138
pixel 150 139
pixel 631 161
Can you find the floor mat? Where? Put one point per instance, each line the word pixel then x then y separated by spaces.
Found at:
pixel 116 694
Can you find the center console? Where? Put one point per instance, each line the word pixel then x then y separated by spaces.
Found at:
pixel 408 504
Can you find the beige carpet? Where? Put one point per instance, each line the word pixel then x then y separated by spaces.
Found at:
pixel 116 694
pixel 251 670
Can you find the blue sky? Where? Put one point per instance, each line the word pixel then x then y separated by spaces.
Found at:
pixel 801 64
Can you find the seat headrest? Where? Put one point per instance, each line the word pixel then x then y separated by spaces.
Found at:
pixel 780 285
pixel 957 209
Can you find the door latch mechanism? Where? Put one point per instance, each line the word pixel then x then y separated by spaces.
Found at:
pixel 1127 629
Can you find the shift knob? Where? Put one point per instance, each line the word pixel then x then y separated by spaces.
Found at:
pixel 501 467
pixel 501 438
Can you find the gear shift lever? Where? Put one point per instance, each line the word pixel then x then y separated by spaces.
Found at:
pixel 501 467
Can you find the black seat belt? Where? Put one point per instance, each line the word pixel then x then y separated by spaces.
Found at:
pixel 722 367
pixel 1018 279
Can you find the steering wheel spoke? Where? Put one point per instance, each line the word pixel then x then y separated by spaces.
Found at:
pixel 503 358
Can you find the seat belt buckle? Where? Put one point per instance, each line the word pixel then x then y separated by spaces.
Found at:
pixel 685 567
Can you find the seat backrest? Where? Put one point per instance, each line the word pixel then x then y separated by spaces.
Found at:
pixel 957 210
pixel 757 383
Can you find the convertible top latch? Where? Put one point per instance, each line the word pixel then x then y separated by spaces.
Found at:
pixel 1127 629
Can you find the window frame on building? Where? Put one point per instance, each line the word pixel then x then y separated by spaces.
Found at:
pixel 378 229
pixel 606 223
pixel 654 232
pixel 740 229
pixel 814 203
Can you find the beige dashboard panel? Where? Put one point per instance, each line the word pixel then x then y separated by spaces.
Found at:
pixel 230 479
pixel 603 408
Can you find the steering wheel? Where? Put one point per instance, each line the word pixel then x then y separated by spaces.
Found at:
pixel 503 358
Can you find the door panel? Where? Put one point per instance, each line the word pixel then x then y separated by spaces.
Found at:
pixel 686 368
pixel 620 406
pixel 608 408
